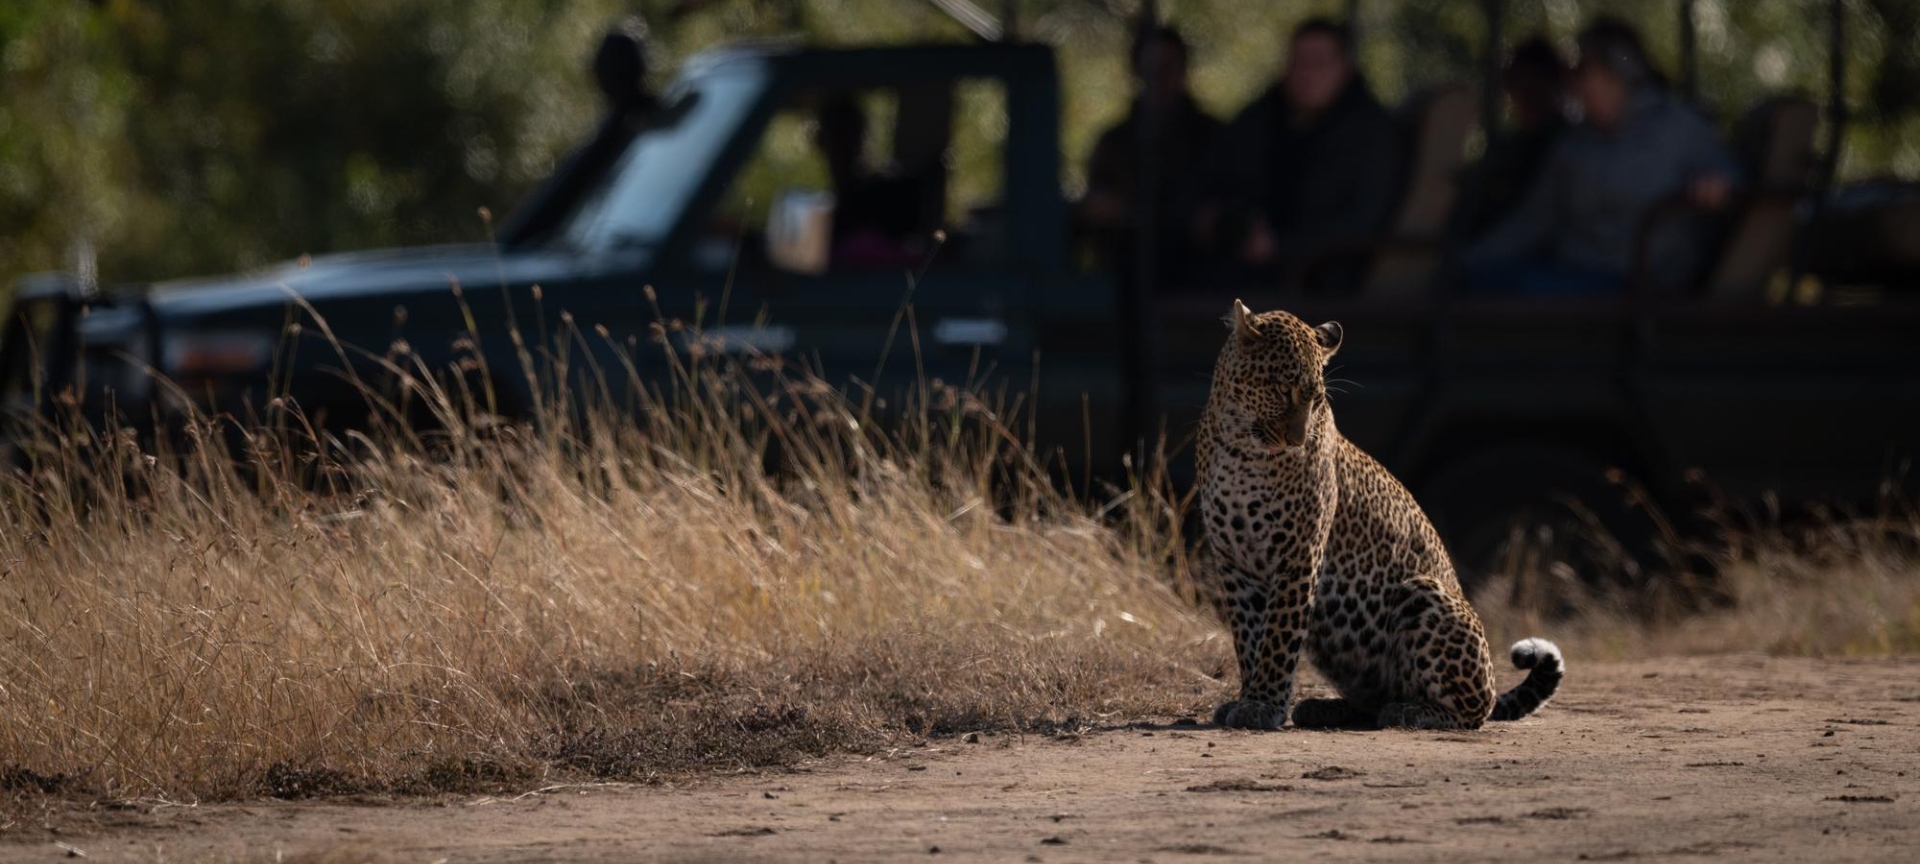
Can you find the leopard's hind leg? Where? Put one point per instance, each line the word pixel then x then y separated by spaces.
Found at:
pixel 1440 660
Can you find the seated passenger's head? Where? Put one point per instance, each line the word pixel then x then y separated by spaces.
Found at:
pixel 1613 66
pixel 1162 54
pixel 1319 67
pixel 840 131
pixel 1535 81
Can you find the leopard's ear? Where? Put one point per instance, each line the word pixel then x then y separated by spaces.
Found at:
pixel 1239 319
pixel 1330 335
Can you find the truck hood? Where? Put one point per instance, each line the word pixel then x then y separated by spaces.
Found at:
pixel 387 274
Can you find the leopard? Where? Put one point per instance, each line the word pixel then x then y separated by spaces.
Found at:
pixel 1311 547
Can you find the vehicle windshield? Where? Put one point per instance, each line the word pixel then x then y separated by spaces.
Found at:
pixel 649 185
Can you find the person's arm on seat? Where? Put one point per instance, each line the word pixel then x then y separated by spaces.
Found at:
pixel 1714 176
pixel 1710 191
pixel 1672 250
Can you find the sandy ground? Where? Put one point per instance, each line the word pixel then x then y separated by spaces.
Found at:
pixel 1739 758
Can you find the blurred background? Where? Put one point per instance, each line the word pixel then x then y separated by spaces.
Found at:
pixel 164 139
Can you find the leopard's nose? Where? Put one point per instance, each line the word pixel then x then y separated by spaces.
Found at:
pixel 1283 432
pixel 1297 427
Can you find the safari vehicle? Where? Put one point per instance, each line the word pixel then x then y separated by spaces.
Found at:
pixel 1489 408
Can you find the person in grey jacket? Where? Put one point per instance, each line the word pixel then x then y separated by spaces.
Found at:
pixel 1578 230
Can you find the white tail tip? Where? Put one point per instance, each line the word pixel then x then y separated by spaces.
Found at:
pixel 1527 653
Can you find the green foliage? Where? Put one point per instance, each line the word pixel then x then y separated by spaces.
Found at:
pixel 194 136
pixel 204 135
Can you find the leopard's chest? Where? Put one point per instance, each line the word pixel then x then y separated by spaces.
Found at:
pixel 1267 510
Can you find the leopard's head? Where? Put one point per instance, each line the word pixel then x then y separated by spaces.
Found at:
pixel 1272 373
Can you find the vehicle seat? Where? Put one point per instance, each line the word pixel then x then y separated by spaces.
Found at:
pixel 1438 123
pixel 1774 141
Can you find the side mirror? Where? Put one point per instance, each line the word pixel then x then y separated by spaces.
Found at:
pixel 620 66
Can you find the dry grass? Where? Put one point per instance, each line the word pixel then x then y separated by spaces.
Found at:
pixel 1817 584
pixel 626 600
pixel 486 606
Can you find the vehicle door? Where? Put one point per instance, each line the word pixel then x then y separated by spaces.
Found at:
pixel 862 241
pixel 599 333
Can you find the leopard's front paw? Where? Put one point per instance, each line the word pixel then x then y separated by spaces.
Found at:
pixel 1249 714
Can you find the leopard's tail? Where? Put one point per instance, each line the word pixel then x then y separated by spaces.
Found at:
pixel 1545 667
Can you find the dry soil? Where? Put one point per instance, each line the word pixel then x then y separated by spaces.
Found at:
pixel 1734 758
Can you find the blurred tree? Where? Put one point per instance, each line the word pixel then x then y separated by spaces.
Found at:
pixel 190 136
pixel 62 115
pixel 203 135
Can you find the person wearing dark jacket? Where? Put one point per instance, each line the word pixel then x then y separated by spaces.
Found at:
pixel 1311 168
pixel 1183 137
pixel 1535 84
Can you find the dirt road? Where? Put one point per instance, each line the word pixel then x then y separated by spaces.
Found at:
pixel 1741 758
